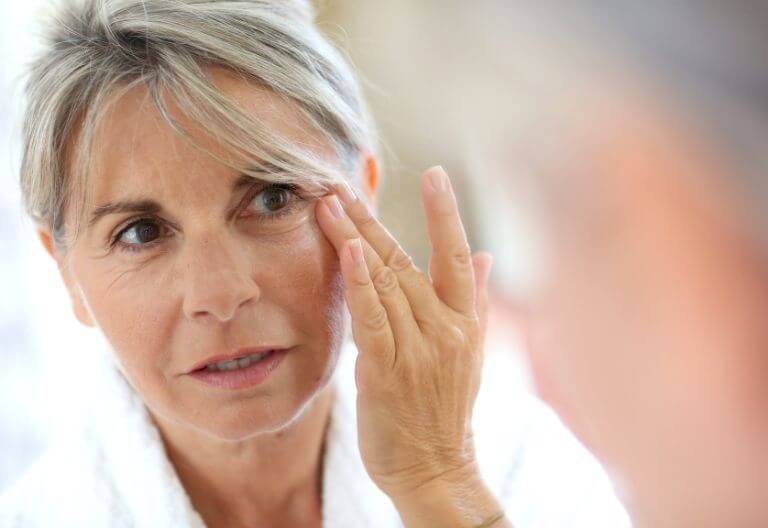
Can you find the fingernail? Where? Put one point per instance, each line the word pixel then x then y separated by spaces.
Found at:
pixel 438 179
pixel 335 207
pixel 356 249
pixel 346 193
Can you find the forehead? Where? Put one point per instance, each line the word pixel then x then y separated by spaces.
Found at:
pixel 135 148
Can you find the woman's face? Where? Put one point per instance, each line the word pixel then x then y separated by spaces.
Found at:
pixel 218 267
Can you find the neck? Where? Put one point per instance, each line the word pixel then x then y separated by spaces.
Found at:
pixel 275 475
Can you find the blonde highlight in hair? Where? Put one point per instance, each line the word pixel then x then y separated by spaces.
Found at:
pixel 95 50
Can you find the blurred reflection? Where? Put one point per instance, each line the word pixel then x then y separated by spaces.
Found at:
pixel 627 144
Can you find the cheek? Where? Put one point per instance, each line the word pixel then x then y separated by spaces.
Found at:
pixel 129 306
pixel 307 283
pixel 136 317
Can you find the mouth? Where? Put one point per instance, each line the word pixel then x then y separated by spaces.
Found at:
pixel 244 358
pixel 237 363
pixel 239 371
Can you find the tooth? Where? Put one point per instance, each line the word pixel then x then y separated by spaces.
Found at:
pixel 244 362
pixel 227 365
pixel 241 362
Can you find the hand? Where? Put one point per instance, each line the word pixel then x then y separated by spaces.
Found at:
pixel 420 342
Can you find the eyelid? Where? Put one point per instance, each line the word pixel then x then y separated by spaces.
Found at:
pixel 262 186
pixel 123 227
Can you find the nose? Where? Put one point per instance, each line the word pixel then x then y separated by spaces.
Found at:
pixel 217 279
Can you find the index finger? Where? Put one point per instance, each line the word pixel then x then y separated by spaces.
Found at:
pixel 414 284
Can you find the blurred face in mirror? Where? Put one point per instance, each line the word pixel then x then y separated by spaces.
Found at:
pixel 647 332
pixel 227 262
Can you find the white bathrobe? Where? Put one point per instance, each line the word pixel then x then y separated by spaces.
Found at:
pixel 112 470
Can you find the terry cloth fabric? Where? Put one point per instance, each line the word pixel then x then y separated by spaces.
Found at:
pixel 111 470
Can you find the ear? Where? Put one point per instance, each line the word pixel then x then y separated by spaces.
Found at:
pixel 369 167
pixel 75 296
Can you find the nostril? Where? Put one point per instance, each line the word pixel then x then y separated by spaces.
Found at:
pixel 222 304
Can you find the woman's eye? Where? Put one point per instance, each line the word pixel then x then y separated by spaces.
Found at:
pixel 270 203
pixel 140 233
pixel 272 199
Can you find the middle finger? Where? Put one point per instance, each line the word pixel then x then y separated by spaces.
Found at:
pixel 414 283
pixel 339 229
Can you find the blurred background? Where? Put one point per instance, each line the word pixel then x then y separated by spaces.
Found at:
pixel 415 60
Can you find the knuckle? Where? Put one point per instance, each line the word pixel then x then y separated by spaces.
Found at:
pixel 450 337
pixel 455 335
pixel 385 280
pixel 462 256
pixel 361 282
pixel 398 259
pixel 376 320
pixel 364 219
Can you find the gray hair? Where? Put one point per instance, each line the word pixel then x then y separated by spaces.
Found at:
pixel 96 50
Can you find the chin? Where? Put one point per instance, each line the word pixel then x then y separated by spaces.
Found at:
pixel 265 415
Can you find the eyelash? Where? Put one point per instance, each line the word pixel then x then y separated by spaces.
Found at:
pixel 137 248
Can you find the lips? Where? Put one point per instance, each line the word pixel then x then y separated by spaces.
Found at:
pixel 242 377
pixel 240 352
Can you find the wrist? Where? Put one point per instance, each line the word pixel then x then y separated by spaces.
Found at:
pixel 449 502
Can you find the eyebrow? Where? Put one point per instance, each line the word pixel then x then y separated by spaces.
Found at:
pixel 148 206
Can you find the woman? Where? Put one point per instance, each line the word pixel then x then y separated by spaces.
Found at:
pixel 192 169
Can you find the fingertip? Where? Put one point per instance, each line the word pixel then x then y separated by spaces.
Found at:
pixel 321 211
pixel 488 259
pixel 435 180
pixel 483 261
pixel 345 192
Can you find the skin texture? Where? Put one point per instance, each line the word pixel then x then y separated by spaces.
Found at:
pixel 647 333
pixel 219 274
pixel 215 282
